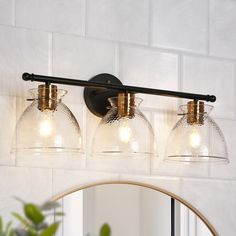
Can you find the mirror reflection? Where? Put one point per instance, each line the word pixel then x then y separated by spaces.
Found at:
pixel 129 210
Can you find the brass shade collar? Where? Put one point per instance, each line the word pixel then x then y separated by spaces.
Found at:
pixel 195 113
pixel 126 105
pixel 47 97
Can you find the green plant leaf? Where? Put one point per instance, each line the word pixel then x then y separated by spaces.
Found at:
pixel 33 213
pixel 48 206
pixel 20 200
pixel 105 230
pixel 23 221
pixel 51 230
pixel 12 233
pixel 8 227
pixel 1 225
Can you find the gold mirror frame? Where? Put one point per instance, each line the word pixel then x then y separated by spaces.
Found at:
pixel 192 208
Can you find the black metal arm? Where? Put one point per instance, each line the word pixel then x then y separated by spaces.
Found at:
pixel 119 87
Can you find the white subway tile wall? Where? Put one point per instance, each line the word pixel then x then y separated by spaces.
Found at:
pixel 212 195
pixel 19 181
pixel 21 50
pixel 8 121
pixel 126 20
pixel 77 179
pixel 187 45
pixel 82 58
pixel 7 12
pixel 77 57
pixel 222 33
pixel 180 24
pixel 228 171
pixel 53 15
pixel 150 68
pixel 210 76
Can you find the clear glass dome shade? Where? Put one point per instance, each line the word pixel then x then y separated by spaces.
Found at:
pixel 47 126
pixel 199 141
pixel 124 131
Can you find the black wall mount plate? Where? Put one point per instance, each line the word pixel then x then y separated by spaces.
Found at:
pixel 96 99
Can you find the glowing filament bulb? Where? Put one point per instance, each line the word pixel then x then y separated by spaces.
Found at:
pixel 195 139
pixel 46 126
pixel 125 132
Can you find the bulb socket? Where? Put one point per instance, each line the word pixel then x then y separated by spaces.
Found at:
pixel 195 115
pixel 47 97
pixel 126 105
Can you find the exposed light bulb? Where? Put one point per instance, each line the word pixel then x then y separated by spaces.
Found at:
pixel 46 125
pixel 195 138
pixel 125 132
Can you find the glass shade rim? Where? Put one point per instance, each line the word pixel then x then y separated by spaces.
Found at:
pixel 33 93
pixel 198 159
pixel 114 101
pixel 45 150
pixel 183 109
pixel 119 154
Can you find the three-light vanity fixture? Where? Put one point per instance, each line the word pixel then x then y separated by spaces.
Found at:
pixel 47 125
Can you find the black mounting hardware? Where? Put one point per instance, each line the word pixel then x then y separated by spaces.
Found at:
pixel 97 99
pixel 103 86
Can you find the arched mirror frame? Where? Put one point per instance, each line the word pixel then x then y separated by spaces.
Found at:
pixel 140 184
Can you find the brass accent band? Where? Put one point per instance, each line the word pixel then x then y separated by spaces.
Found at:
pixel 126 105
pixel 195 113
pixel 47 97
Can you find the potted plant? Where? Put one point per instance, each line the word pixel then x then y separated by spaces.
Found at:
pixel 34 221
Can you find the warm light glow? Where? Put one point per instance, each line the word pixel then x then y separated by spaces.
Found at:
pixel 125 132
pixel 195 138
pixel 45 128
pixel 46 125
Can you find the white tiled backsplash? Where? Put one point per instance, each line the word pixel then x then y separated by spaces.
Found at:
pixel 187 45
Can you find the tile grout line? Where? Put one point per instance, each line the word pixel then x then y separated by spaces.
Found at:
pixel 85 25
pixel 150 23
pixel 50 54
pixel 234 76
pixel 180 77
pixel 202 178
pixel 156 154
pixel 154 48
pixel 84 139
pixel 14 136
pixel 14 12
pixel 208 28
pixel 117 60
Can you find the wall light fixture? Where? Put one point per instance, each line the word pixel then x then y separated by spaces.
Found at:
pixel 47 125
pixel 196 137
pixel 123 130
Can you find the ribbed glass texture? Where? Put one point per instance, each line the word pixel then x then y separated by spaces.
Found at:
pixel 47 131
pixel 123 136
pixel 196 142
